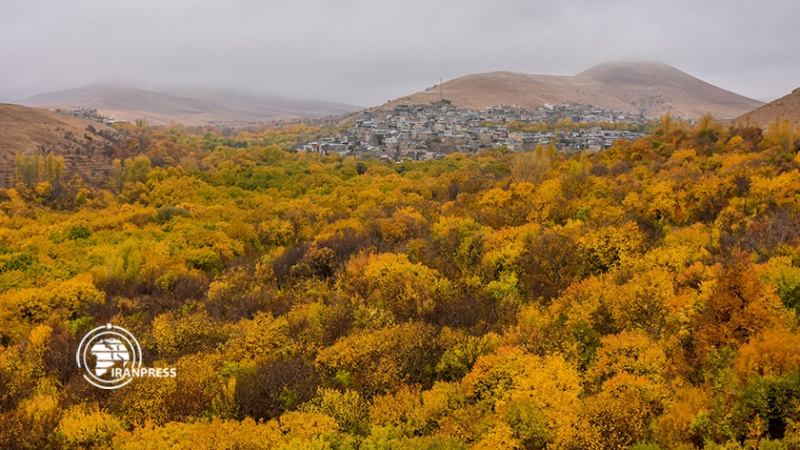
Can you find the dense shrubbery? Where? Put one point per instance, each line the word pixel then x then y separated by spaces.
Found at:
pixel 642 297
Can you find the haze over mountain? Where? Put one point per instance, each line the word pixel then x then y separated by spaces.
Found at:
pixel 650 88
pixel 784 108
pixel 87 146
pixel 185 106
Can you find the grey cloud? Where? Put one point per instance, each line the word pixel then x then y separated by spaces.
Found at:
pixel 366 52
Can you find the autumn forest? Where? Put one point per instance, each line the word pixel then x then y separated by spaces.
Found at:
pixel 645 296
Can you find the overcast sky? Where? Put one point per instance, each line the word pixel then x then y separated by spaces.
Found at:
pixel 367 52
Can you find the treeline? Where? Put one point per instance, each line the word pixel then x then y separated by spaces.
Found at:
pixel 642 297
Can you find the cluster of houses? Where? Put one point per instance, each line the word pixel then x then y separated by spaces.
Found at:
pixel 87 113
pixel 422 132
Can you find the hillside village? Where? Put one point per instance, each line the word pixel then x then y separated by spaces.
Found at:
pixel 88 114
pixel 428 131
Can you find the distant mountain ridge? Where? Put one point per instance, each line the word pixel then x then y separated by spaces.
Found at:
pixel 649 88
pixel 784 108
pixel 261 106
pixel 185 106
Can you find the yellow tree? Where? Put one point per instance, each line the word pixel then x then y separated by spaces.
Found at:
pixel 537 398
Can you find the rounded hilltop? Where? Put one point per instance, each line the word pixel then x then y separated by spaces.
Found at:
pixel 652 88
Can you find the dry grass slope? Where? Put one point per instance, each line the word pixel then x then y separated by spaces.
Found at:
pixel 652 88
pixel 35 131
pixel 784 108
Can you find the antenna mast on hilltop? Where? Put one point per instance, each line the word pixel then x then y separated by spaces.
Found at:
pixel 441 92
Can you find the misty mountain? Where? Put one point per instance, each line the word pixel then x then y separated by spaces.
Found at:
pixel 266 106
pixel 185 106
pixel 650 88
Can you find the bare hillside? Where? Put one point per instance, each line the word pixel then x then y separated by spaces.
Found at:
pixel 784 108
pixel 651 88
pixel 87 146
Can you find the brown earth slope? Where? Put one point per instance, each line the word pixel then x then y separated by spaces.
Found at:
pixel 34 131
pixel 784 108
pixel 651 88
